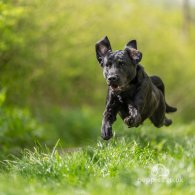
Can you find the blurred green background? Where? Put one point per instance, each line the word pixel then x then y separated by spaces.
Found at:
pixel 51 84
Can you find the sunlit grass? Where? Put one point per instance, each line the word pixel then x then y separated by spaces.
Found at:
pixel 126 164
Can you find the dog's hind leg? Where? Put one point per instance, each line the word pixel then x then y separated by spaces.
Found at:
pixel 167 121
pixel 158 118
pixel 157 81
pixel 160 121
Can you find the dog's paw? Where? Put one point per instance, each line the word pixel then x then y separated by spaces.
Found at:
pixel 134 118
pixel 106 132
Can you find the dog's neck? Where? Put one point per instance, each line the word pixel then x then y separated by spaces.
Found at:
pixel 138 77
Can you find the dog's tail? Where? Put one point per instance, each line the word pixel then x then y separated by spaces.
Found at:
pixel 170 109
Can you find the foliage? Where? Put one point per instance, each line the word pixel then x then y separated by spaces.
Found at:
pixel 122 166
pixel 73 127
pixel 48 48
pixel 18 129
pixel 9 18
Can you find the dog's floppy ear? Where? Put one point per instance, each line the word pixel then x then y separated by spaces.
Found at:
pixel 102 47
pixel 135 55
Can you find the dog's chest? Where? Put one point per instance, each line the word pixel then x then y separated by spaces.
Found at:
pixel 127 96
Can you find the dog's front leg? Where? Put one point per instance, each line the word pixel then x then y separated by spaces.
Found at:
pixel 109 117
pixel 134 118
pixel 139 104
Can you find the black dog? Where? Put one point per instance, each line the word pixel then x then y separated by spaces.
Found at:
pixel 131 93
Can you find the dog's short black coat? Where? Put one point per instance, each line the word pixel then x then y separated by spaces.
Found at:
pixel 131 92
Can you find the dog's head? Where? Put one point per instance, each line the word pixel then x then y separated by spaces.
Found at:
pixel 119 67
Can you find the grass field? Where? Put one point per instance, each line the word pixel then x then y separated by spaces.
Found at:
pixel 145 160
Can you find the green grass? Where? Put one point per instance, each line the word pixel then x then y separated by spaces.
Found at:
pixel 130 163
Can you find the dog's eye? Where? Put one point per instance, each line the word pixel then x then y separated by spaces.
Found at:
pixel 108 64
pixel 121 63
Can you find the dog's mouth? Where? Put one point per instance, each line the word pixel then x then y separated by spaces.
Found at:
pixel 118 88
pixel 115 87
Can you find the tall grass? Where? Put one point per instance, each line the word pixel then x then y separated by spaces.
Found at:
pixel 129 163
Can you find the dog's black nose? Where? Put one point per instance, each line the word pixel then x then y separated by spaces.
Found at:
pixel 113 78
